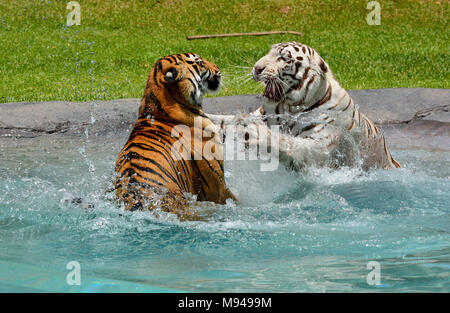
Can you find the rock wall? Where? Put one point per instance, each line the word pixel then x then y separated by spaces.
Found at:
pixel 410 117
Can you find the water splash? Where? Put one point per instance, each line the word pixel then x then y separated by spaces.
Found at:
pixel 290 232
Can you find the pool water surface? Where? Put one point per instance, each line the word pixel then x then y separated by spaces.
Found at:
pixel 290 232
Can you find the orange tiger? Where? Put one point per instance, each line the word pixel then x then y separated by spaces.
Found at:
pixel 150 173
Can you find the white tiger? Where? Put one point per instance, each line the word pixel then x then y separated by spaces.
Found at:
pixel 320 123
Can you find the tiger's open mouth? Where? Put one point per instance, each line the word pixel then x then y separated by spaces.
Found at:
pixel 210 84
pixel 273 90
pixel 214 83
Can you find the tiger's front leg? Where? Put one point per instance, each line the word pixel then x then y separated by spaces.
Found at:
pixel 293 151
pixel 246 129
pixel 251 132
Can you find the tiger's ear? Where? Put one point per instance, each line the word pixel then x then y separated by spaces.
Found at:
pixel 323 66
pixel 172 75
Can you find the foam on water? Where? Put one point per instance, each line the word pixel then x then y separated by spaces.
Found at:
pixel 290 232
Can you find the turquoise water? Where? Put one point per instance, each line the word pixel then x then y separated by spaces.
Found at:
pixel 290 232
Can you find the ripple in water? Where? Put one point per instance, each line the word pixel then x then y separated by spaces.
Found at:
pixel 290 232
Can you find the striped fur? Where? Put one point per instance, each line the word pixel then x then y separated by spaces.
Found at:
pixel 149 174
pixel 315 113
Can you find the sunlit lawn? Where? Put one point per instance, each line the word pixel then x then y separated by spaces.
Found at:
pixel 110 54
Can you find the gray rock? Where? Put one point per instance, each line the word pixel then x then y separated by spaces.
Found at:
pixel 409 116
pixel 387 106
pixel 26 119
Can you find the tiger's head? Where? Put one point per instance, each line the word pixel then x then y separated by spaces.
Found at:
pixel 177 83
pixel 292 72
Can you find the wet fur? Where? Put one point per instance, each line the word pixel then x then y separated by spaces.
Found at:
pixel 320 123
pixel 148 174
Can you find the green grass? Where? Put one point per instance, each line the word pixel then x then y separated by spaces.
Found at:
pixel 110 54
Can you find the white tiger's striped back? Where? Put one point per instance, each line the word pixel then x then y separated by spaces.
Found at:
pixel 303 97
